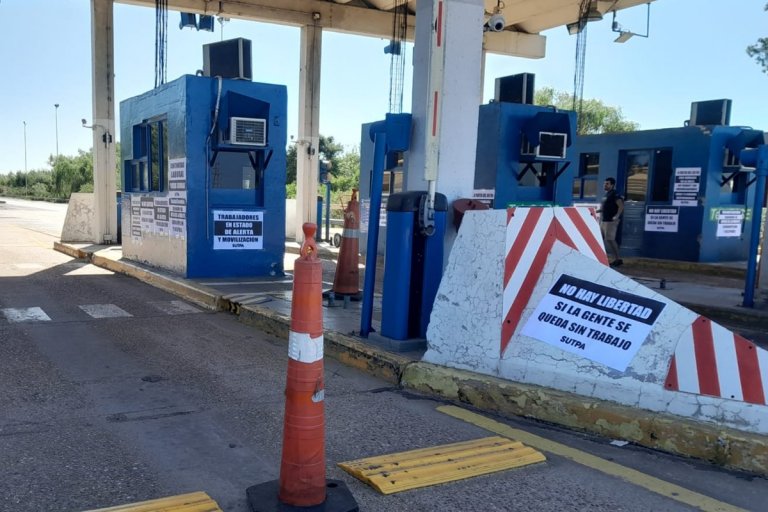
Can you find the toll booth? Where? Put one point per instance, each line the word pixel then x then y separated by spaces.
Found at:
pixel 203 163
pixel 686 195
pixel 523 156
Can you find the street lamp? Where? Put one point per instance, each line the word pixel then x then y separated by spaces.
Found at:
pixel 26 190
pixel 57 130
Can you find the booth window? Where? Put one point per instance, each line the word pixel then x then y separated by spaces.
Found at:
pixel 734 187
pixel 148 170
pixel 585 184
pixel 637 175
pixel 234 171
pixel 662 175
pixel 536 174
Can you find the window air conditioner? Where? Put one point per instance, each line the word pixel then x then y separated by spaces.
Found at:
pixel 247 131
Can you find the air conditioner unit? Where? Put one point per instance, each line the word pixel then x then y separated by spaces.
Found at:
pixel 247 131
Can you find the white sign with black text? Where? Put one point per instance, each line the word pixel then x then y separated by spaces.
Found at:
pixel 687 186
pixel 177 204
pixel 594 321
pixel 177 174
pixel 663 219
pixel 729 223
pixel 238 229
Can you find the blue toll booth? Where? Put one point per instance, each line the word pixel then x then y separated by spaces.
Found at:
pixel 686 195
pixel 203 163
pixel 523 155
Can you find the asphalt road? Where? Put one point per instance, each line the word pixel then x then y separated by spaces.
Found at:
pixel 115 392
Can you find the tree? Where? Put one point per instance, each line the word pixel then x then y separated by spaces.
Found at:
pixel 346 174
pixel 596 116
pixel 759 50
pixel 70 174
pixel 329 150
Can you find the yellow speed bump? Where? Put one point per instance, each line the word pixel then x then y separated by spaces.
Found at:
pixel 429 466
pixel 192 502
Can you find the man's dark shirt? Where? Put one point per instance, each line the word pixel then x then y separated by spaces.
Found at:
pixel 610 206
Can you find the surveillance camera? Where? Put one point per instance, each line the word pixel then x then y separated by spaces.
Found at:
pixel 84 121
pixel 496 23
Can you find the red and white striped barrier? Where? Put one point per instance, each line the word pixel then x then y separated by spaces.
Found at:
pixel 530 235
pixel 711 360
pixel 502 310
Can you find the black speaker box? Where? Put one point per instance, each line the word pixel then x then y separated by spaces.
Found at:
pixel 228 59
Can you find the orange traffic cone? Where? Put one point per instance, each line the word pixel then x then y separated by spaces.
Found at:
pixel 347 278
pixel 302 469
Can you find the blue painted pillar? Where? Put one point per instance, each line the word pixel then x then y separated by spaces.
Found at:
pixel 379 136
pixel 759 158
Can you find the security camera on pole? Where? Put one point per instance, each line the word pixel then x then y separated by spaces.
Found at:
pixel 302 485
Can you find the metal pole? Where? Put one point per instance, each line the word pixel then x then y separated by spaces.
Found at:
pixel 379 157
pixel 26 183
pixel 757 216
pixel 57 130
pixel 328 211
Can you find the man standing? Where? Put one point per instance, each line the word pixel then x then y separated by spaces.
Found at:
pixel 610 216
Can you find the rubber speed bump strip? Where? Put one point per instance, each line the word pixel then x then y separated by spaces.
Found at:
pixel 192 502
pixel 440 464
pixel 653 484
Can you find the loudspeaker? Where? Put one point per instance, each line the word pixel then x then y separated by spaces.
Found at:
pixel 228 59
pixel 515 88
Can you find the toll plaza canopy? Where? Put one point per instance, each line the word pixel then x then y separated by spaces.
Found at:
pixel 523 20
pixel 451 39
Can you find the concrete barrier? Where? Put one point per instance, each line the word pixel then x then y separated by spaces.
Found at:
pixel 528 297
pixel 78 224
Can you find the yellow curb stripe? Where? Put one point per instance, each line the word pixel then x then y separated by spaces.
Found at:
pixel 192 502
pixel 632 476
pixel 440 464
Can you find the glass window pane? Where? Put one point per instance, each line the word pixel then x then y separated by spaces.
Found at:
pixel 154 162
pixel 662 175
pixel 590 164
pixel 590 188
pixel 577 188
pixel 637 176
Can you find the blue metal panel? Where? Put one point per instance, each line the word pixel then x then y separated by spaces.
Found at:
pixel 433 272
pixel 189 105
pixel 696 238
pixel 499 165
pixel 397 275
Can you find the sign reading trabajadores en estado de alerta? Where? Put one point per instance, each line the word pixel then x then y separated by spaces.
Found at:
pixel 594 321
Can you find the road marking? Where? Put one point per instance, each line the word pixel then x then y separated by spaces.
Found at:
pixel 175 307
pixel 630 475
pixel 15 315
pixel 104 311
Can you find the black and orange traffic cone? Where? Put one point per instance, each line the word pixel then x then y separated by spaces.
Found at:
pixel 302 484
pixel 346 281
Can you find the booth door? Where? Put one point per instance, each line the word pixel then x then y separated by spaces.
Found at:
pixel 633 185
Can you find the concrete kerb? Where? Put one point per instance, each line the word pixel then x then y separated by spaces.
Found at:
pixel 693 267
pixel 71 251
pixel 727 447
pixel 730 316
pixel 200 295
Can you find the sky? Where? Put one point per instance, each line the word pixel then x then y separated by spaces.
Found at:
pixel 695 51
